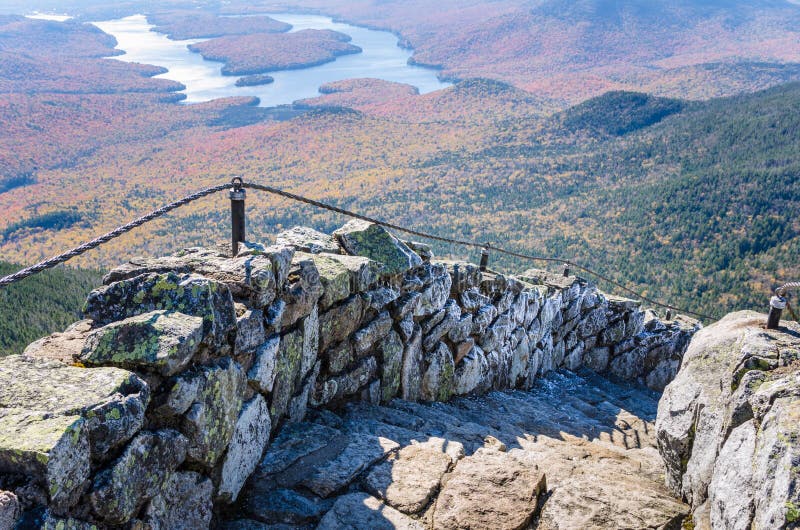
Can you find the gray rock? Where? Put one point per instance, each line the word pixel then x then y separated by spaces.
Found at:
pixel 210 420
pixel 462 330
pixel 472 300
pixel 9 510
pixel 250 438
pixel 361 238
pixel 299 403
pixel 360 452
pixel 250 332
pixel 339 322
pixel 376 330
pixel 451 317
pixel 273 316
pixel 435 295
pixel 437 381
pixel 308 240
pixel 262 374
pixel 70 415
pixel 189 294
pixel 490 489
pixel 303 289
pixel 520 363
pixel 730 493
pixel 284 506
pixel 64 347
pixel 184 503
pixel 411 370
pixel 392 355
pixel 597 359
pixel 471 373
pixel 287 373
pixel 405 305
pixel 378 299
pixel 347 384
pixel 339 357
pixel 629 365
pixel 360 510
pixel 408 480
pixel 159 341
pixel 292 443
pixel 310 327
pixel 662 374
pixel 137 475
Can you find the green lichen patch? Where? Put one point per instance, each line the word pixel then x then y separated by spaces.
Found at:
pixel 159 341
pixel 361 238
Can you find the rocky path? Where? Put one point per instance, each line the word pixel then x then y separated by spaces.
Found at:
pixel 577 451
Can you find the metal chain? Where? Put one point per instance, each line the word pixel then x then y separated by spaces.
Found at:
pixel 237 184
pixel 77 251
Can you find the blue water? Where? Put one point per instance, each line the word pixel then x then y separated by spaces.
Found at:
pixel 381 58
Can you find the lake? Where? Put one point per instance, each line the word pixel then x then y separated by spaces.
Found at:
pixel 381 58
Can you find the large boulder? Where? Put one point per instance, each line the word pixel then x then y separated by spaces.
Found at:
pixel 362 238
pixel 54 419
pixel 728 427
pixel 187 293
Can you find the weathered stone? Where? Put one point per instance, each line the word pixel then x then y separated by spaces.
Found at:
pixel 364 338
pixel 437 382
pixel 262 374
pixel 435 295
pixel 592 323
pixel 392 354
pixel 299 403
pixel 9 510
pixel 621 304
pixel 574 358
pixel 704 403
pixel 64 347
pixel 160 341
pixel 70 415
pixel 189 294
pixel 360 510
pixel 372 393
pixel 184 503
pixel 310 327
pixel 597 359
pixel 407 481
pixel 662 374
pixel 53 522
pixel 285 506
pixel 308 240
pixel 292 443
pixel 339 357
pixel 462 349
pixel 361 238
pixel 378 299
pixel 279 255
pixel 360 452
pixel 211 419
pixel 347 384
pixel 490 489
pixel 303 289
pixel 137 475
pixel 449 321
pixel 496 334
pixel 250 437
pixel 471 372
pixel 406 327
pixel 335 280
pixel 462 330
pixel 424 250
pixel 629 365
pixel 520 363
pixel 287 373
pixel 405 305
pixel 411 370
pixel 250 333
pixel 339 322
pixel 273 316
pixel 614 333
pixel 730 493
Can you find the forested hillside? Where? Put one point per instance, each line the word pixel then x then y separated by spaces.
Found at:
pixel 40 305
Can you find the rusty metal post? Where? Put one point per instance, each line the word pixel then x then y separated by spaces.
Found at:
pixel 484 260
pixel 566 271
pixel 237 196
pixel 776 305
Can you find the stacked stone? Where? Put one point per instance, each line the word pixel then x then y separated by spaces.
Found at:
pixel 153 412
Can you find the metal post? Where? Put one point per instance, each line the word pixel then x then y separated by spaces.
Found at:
pixel 237 196
pixel 776 305
pixel 669 314
pixel 484 260
pixel 566 271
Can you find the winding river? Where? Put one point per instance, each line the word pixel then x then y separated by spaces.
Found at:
pixel 381 58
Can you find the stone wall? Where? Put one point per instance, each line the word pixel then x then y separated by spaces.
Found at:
pixel 153 412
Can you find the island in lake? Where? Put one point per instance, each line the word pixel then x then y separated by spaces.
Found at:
pixel 255 80
pixel 263 52
pixel 183 25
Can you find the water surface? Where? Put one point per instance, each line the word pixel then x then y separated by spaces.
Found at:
pixel 381 58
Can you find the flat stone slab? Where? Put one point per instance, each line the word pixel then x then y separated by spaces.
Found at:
pixel 359 510
pixel 69 415
pixel 160 341
pixel 293 443
pixel 490 489
pixel 410 479
pixel 285 506
pixel 360 452
pixel 361 238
